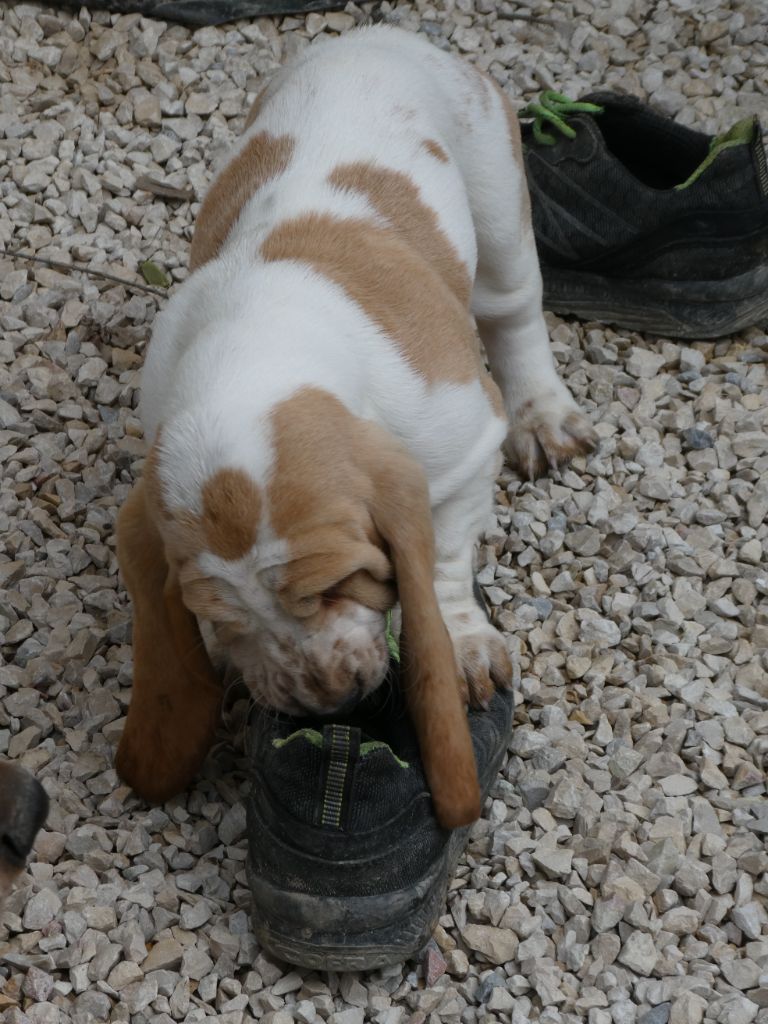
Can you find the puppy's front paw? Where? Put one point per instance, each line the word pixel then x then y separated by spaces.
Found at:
pixel 481 655
pixel 545 431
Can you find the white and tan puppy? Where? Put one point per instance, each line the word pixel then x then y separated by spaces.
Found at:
pixel 323 429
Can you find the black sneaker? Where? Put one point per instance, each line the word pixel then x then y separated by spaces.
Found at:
pixel 642 222
pixel 347 865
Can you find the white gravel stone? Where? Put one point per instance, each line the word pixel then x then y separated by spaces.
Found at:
pixel 639 953
pixel 164 955
pixel 195 915
pixel 738 1010
pixel 678 785
pixel 41 909
pixel 496 944
pixel 688 1008
pixel 554 862
pixel 741 973
pixel 751 918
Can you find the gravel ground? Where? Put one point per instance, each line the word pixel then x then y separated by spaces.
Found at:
pixel 620 873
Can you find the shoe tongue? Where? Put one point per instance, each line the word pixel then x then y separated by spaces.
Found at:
pixel 743 133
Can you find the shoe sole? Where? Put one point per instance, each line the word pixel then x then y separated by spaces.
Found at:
pixel 353 933
pixel 357 933
pixel 693 310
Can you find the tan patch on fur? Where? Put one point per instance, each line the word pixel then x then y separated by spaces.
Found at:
pixel 396 287
pixel 397 199
pixel 436 150
pixel 457 351
pixel 231 513
pixel 262 159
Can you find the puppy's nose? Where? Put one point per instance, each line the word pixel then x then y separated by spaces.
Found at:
pixel 23 810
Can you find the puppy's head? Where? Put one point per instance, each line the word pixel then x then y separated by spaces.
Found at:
pixel 278 549
pixel 301 615
pixel 287 537
pixel 23 809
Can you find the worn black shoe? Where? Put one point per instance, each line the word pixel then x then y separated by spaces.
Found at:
pixel 347 865
pixel 645 223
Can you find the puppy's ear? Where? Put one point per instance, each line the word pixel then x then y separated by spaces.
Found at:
pixel 176 694
pixel 401 510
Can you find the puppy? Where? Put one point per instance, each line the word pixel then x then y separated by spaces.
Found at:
pixel 23 810
pixel 324 435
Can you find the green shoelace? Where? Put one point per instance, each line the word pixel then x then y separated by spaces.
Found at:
pixel 552 110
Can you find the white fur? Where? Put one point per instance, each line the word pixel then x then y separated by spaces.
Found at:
pixel 240 335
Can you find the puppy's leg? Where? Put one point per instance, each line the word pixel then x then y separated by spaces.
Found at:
pixel 480 650
pixel 176 694
pixel 546 427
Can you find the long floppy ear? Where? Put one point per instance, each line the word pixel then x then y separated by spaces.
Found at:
pixel 176 695
pixel 402 514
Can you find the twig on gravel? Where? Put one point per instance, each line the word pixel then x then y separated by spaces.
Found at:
pixel 159 188
pixel 531 18
pixel 88 271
